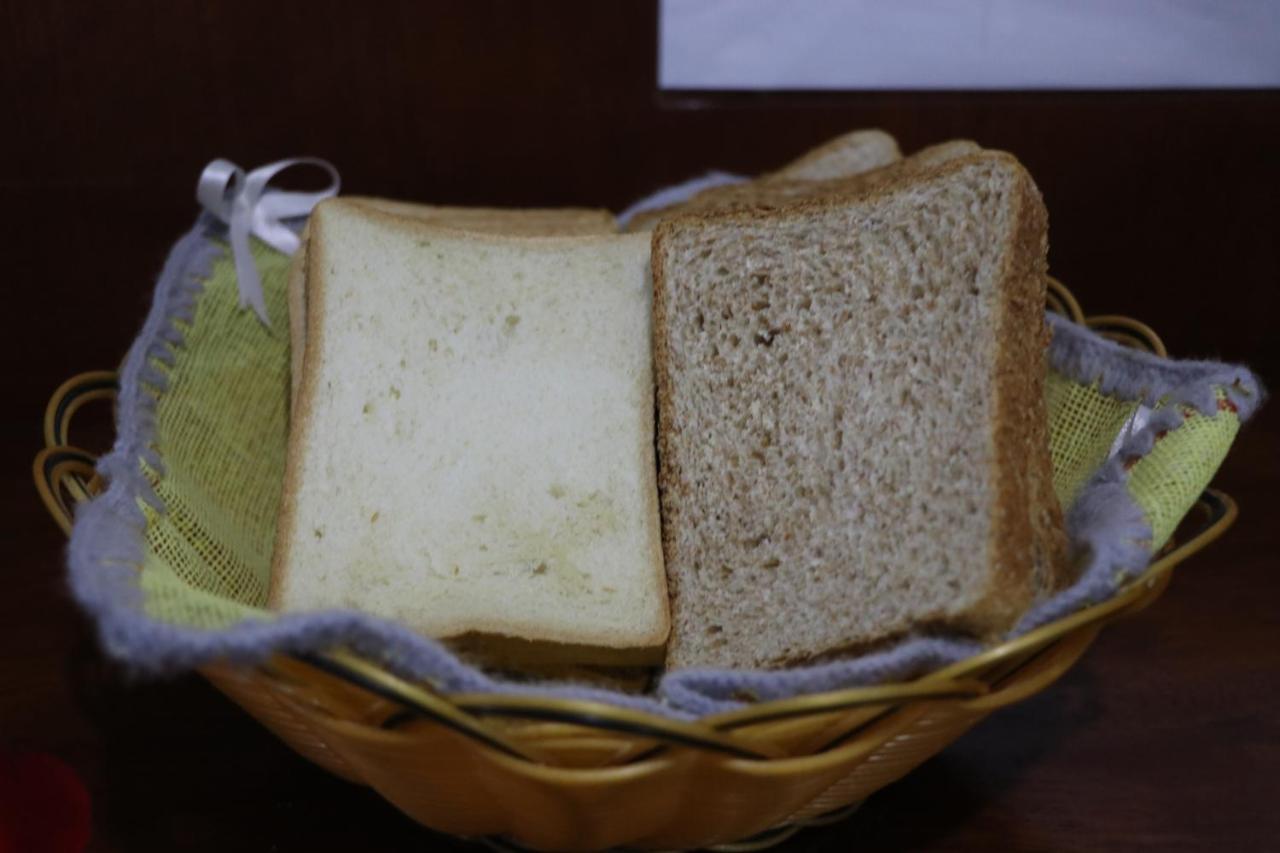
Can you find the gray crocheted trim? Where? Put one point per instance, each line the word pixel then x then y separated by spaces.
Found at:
pixel 1130 374
pixel 107 542
pixel 711 691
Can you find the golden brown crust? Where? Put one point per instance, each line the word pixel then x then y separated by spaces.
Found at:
pixel 779 190
pixel 826 195
pixel 1019 322
pixel 668 466
pixel 731 194
pixel 300 416
pixel 529 222
pixel 649 484
pixel 1049 539
pixel 419 226
pixel 1023 528
pixel 752 194
pixel 295 295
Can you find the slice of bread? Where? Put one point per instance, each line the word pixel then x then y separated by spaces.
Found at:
pixel 472 448
pixel 778 191
pixel 847 155
pixel 952 149
pixel 852 431
pixel 529 222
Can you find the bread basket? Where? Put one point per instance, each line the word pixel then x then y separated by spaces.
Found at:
pixel 572 774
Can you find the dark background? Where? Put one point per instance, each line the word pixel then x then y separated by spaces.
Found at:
pixel 1163 205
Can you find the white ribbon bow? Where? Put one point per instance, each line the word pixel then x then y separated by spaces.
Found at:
pixel 246 206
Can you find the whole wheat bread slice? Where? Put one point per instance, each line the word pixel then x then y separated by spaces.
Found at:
pixel 471 452
pixel 528 222
pixel 853 442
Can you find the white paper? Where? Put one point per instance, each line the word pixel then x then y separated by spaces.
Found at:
pixel 969 44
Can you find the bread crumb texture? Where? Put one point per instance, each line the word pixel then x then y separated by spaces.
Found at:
pixel 827 389
pixel 478 451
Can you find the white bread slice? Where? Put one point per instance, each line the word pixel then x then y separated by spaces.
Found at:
pixel 845 156
pixel 472 448
pixel 852 432
pixel 530 222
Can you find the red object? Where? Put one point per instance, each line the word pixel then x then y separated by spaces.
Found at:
pixel 44 807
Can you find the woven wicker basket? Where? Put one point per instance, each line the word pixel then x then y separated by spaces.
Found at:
pixel 573 775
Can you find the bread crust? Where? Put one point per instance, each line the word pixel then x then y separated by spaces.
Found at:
pixel 312 297
pixel 1019 440
pixel 871 137
pixel 780 192
pixel 295 296
pixel 785 175
pixel 529 222
pixel 866 187
pixel 668 469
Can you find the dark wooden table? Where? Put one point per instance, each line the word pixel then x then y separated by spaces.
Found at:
pixel 1163 206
